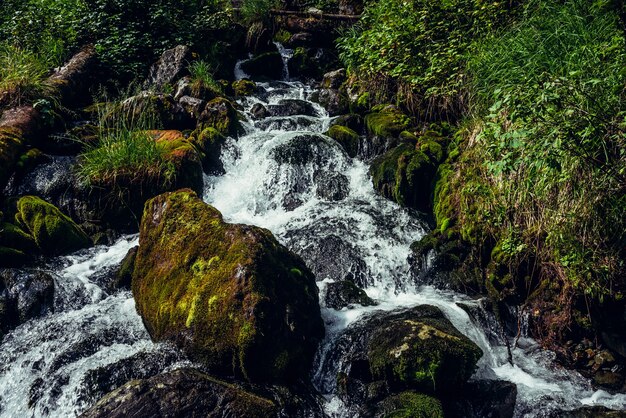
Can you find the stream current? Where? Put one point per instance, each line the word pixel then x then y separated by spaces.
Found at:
pixel 284 175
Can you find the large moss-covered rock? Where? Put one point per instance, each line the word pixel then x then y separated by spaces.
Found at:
pixel 405 175
pixel 54 232
pixel 17 246
pixel 181 393
pixel 243 87
pixel 388 121
pixel 386 353
pixel 230 295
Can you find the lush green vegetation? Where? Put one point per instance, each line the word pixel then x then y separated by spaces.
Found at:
pixel 534 180
pixel 413 52
pixel 128 34
pixel 547 151
pixel 124 149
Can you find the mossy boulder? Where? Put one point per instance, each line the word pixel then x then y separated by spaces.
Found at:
pixel 54 232
pixel 185 160
pixel 221 115
pixel 387 122
pixel 243 87
pixel 386 353
pixel 410 405
pixel 421 349
pixel 268 65
pixel 230 295
pixel 405 175
pixel 346 137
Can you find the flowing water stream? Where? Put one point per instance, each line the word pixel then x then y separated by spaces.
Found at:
pixel 282 174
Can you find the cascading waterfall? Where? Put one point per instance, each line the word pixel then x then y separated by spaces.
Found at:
pixel 284 175
pixel 54 366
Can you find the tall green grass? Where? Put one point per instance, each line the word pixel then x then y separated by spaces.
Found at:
pixel 124 151
pixel 202 78
pixel 23 73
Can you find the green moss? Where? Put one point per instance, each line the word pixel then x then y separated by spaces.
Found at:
pixel 54 232
pixel 387 122
pixel 405 175
pixel 346 137
pixel 209 143
pixel 222 291
pixel 409 137
pixel 14 237
pixel 282 36
pixel 243 87
pixel 422 350
pixel 433 149
pixel 362 104
pixel 10 257
pixel 221 115
pixel 411 405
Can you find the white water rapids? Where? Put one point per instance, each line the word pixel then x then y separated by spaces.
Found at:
pixel 276 177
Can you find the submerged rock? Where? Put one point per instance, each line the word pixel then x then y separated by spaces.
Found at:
pixel 181 393
pixel 344 294
pixel 221 115
pixel 24 295
pixel 230 295
pixel 292 107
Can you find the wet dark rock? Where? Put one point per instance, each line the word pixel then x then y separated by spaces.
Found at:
pixel 183 88
pixel 344 294
pixel 98 382
pixel 286 123
pixel 192 105
pixel 336 259
pixel 334 101
pixel 171 66
pixel 259 111
pixel 303 64
pixel 590 412
pixel 268 65
pixel 24 294
pixel 609 380
pixel 182 393
pixel 483 399
pixel 350 120
pixel 301 39
pixel 292 107
pixel 332 186
pixel 301 149
pixel 124 274
pixel 334 79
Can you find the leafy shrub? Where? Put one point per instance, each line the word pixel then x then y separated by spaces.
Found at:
pixel 414 51
pixel 128 34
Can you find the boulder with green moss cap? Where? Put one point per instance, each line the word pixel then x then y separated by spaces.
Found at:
pixel 54 232
pixel 229 295
pixel 346 137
